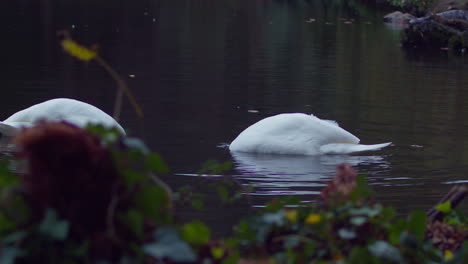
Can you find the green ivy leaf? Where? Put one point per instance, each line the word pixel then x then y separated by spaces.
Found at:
pixel 137 144
pixel 396 230
pixel 417 224
pixel 223 193
pixel 169 245
pixel 358 220
pixel 232 259
pixel 384 250
pixel 53 227
pixel 444 207
pixel 9 254
pixel 346 234
pixel 196 233
pixel 152 200
pixel 217 252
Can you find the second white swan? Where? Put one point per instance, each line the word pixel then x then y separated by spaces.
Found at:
pixel 298 134
pixel 59 109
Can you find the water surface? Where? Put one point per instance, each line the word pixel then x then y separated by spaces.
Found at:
pixel 205 70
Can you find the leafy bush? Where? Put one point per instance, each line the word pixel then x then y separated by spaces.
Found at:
pixel 74 196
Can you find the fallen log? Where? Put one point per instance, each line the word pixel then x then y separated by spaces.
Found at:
pixel 445 236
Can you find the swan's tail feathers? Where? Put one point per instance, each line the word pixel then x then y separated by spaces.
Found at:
pixel 346 148
pixel 7 130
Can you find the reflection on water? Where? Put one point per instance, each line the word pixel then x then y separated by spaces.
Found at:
pixel 294 175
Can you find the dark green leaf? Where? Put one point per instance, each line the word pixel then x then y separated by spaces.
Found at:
pixel 134 220
pixel 232 259
pixel 362 190
pixel 156 163
pixel 396 230
pixel 130 176
pixel 152 200
pixel 197 204
pixel 223 193
pixel 6 224
pixel 196 233
pixel 7 178
pixel 417 224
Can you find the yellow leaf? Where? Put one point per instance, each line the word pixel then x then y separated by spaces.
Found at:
pixel 217 252
pixel 78 51
pixel 291 215
pixel 448 255
pixel 313 219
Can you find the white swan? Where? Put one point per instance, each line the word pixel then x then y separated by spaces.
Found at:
pixel 60 109
pixel 298 134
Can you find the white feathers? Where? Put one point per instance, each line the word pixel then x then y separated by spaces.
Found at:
pixel 298 134
pixel 60 109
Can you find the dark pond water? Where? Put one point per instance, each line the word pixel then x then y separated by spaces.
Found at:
pixel 205 70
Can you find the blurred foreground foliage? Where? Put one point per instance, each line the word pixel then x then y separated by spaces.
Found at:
pixel 69 195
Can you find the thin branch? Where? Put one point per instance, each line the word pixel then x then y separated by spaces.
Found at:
pixel 121 84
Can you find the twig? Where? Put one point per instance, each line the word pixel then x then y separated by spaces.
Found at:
pixel 121 84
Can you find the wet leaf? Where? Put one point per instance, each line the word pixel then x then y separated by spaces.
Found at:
pixel 384 250
pixel 367 211
pixel 137 144
pixel 53 227
pixel 9 254
pixel 274 218
pixel 346 234
pixel 169 245
pixel 358 220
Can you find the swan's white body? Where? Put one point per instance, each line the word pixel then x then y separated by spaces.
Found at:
pixel 298 134
pixel 60 109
